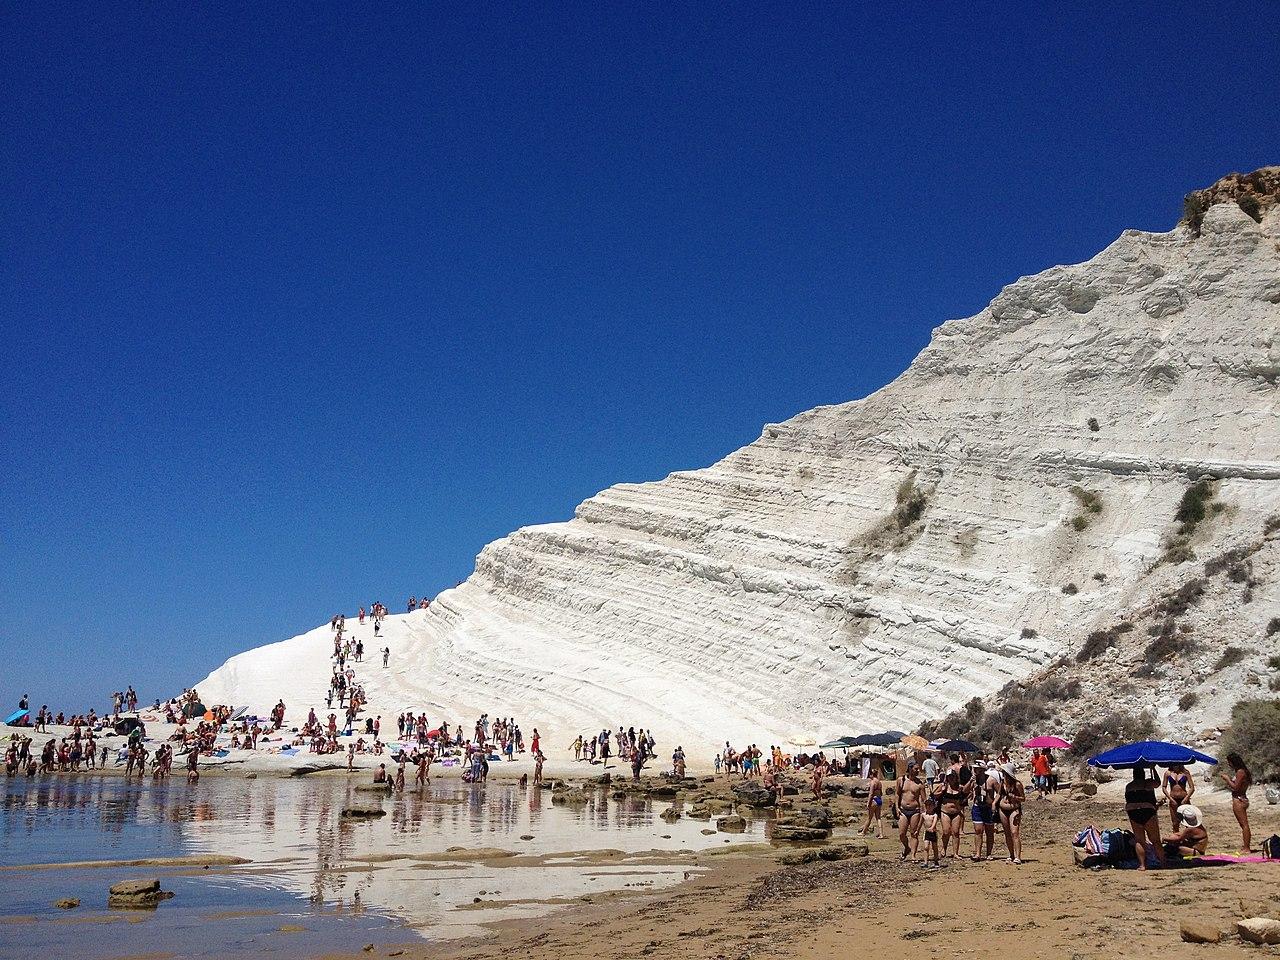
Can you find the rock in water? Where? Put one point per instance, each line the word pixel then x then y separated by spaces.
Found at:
pixel 136 894
pixel 67 903
pixel 358 809
pixel 891 557
pixel 731 824
pixel 753 794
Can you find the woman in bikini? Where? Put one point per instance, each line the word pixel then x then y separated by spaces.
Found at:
pixel 875 802
pixel 1238 781
pixel 1009 806
pixel 1140 805
pixel 951 797
pixel 1178 786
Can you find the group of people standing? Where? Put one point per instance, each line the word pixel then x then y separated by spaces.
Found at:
pixel 631 745
pixel 1188 835
pixel 933 802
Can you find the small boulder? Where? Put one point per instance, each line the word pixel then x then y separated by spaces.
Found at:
pixel 136 894
pixel 1259 930
pixel 1198 931
pixel 1083 789
pixel 670 815
pixel 363 809
pixel 753 794
pixel 731 824
pixel 67 903
pixel 663 792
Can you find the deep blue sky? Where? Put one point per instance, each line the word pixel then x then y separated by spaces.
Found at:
pixel 302 305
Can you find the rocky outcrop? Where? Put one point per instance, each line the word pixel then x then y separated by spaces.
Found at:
pixel 873 564
pixel 137 895
pixel 1254 193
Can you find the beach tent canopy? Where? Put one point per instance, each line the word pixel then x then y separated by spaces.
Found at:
pixel 193 709
pixel 1050 743
pixel 126 725
pixel 840 743
pixel 1148 753
pixel 957 746
pixel 886 739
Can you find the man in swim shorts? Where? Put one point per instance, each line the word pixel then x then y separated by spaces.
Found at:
pixel 910 803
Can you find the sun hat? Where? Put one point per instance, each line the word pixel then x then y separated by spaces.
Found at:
pixel 1190 814
pixel 1009 770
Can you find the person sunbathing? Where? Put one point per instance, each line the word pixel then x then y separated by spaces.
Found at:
pixel 1193 839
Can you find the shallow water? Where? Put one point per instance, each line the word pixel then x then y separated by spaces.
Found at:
pixel 334 882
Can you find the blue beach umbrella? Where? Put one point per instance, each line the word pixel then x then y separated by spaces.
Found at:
pixel 1147 753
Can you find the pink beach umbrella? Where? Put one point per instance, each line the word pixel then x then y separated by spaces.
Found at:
pixel 1052 743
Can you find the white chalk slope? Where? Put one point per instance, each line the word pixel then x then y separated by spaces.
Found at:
pixel 788 591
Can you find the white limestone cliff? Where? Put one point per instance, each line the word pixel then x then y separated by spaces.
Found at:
pixel 879 562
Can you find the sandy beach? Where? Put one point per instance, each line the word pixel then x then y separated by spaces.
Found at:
pixel 748 904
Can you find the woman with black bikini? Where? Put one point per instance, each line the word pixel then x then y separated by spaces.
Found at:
pixel 1178 786
pixel 1238 782
pixel 1140 805
pixel 950 797
pixel 1009 806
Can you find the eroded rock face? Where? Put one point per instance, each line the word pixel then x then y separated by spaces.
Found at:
pixel 873 564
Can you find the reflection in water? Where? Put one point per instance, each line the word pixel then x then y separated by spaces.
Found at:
pixel 432 862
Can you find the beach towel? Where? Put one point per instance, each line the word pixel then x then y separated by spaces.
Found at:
pixel 1090 840
pixel 1231 858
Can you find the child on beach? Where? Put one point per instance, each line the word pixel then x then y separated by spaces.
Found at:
pixel 930 824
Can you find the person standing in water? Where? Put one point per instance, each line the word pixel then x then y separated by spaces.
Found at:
pixel 1238 781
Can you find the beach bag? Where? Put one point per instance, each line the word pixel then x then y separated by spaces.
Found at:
pixel 1118 846
pixel 1271 847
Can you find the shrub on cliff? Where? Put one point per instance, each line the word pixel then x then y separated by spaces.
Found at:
pixel 1255 735
pixel 1114 728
